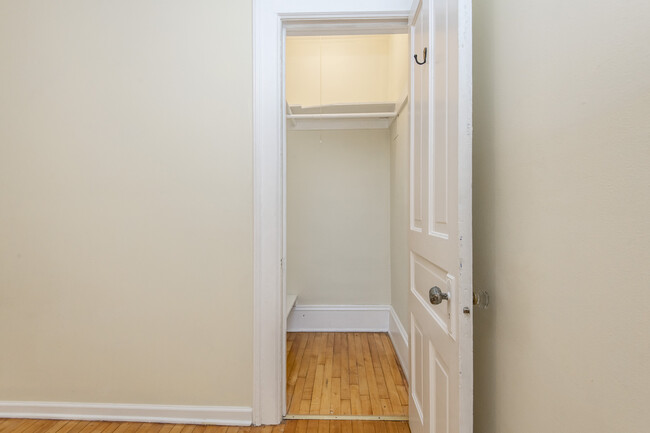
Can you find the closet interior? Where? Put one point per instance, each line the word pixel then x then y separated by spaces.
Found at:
pixel 346 210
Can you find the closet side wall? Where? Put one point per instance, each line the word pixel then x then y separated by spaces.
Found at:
pixel 399 189
pixel 338 217
pixel 399 178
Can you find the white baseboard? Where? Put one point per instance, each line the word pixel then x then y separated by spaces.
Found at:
pixel 218 415
pixel 339 318
pixel 400 339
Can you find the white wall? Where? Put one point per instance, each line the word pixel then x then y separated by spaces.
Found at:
pixel 332 225
pixel 398 49
pixel 399 211
pixel 561 205
pixel 126 201
pixel 338 217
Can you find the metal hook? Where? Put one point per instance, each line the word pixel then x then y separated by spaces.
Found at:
pixel 424 53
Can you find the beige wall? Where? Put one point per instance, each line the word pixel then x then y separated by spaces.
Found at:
pixel 398 49
pixel 338 217
pixel 399 210
pixel 561 205
pixel 399 60
pixel 126 202
pixel 345 69
pixel 346 190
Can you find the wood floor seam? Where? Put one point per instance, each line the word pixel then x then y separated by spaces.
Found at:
pixel 349 417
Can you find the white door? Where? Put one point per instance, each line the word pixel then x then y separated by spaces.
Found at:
pixel 440 233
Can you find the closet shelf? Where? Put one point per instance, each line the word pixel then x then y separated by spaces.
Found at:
pixel 388 115
pixel 370 115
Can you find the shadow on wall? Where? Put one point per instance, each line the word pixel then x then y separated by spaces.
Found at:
pixel 484 218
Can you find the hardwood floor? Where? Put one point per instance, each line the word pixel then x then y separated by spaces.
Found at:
pixel 341 373
pixel 300 426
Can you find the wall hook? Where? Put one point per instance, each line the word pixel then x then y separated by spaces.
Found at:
pixel 424 53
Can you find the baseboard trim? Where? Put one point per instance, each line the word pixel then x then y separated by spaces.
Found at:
pixel 400 339
pixel 217 415
pixel 339 318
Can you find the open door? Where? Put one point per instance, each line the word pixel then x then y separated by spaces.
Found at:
pixel 440 233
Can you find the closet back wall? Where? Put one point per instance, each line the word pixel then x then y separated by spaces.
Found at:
pixel 346 69
pixel 338 217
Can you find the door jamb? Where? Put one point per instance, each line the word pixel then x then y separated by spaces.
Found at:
pixel 269 18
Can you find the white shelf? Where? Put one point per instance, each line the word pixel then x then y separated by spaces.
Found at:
pixel 364 115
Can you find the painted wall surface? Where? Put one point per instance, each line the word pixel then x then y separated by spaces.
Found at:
pixel 338 217
pixel 398 78
pixel 324 70
pixel 561 226
pixel 399 62
pixel 399 219
pixel 126 202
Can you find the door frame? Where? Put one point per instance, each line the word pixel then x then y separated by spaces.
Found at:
pixel 270 21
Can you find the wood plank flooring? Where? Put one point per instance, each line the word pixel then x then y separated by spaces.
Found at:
pixel 300 426
pixel 344 373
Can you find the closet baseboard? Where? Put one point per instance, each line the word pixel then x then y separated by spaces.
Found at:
pixel 339 318
pixel 400 339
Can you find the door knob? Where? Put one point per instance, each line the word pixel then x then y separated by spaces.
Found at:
pixel 436 296
pixel 481 299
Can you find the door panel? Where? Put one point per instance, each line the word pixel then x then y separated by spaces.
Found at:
pixel 425 275
pixel 417 373
pixel 420 110
pixel 439 386
pixel 440 229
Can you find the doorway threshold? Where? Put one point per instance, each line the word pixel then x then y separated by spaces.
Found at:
pixel 350 417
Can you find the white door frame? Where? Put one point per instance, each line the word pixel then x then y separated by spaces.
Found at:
pixel 269 19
